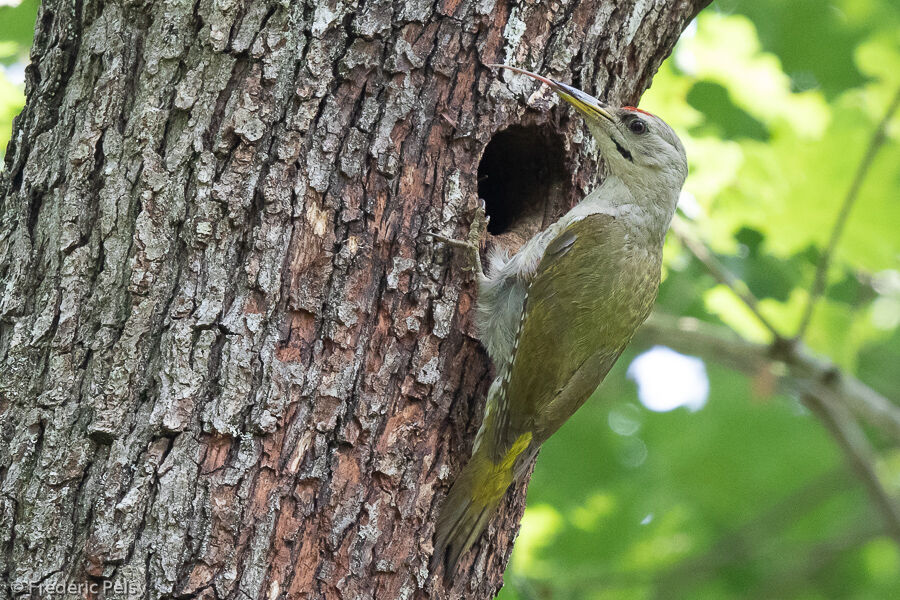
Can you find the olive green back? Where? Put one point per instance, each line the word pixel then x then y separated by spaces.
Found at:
pixel 592 289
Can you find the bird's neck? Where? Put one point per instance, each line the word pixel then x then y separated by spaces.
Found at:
pixel 646 212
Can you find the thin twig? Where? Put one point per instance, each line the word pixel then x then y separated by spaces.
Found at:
pixel 723 275
pixel 853 441
pixel 818 286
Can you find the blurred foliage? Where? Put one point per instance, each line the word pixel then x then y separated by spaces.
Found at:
pixel 16 30
pixel 747 497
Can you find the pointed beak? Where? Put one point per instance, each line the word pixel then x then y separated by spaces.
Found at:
pixel 586 104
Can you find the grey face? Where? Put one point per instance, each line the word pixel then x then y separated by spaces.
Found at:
pixel 637 144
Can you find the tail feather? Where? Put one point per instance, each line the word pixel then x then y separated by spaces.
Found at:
pixel 463 517
pixel 471 502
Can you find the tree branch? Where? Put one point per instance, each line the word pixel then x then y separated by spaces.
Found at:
pixel 818 286
pixel 722 275
pixel 823 388
pixel 793 365
pixel 859 451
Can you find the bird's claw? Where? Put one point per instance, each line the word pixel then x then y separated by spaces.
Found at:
pixel 472 242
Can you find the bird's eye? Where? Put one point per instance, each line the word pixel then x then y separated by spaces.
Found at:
pixel 637 126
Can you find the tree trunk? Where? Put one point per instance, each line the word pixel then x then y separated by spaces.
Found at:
pixel 230 364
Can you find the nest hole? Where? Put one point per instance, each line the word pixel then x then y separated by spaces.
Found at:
pixel 523 180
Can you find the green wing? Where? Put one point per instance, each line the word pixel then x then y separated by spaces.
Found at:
pixel 587 297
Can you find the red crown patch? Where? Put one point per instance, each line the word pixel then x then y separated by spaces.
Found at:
pixel 636 109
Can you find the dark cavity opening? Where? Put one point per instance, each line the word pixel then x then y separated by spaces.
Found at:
pixel 522 178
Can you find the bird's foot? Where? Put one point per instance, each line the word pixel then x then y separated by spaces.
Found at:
pixel 472 244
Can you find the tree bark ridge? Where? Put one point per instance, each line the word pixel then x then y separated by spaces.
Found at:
pixel 230 366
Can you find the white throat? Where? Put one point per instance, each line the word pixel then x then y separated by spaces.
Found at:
pixel 646 212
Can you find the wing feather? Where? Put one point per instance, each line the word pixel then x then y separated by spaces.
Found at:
pixel 577 319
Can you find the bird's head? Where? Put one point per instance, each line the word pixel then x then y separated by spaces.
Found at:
pixel 639 148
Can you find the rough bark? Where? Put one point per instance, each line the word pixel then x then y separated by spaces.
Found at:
pixel 230 365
